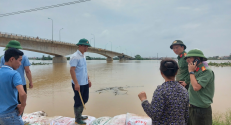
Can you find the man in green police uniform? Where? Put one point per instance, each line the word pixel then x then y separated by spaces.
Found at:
pixel 201 89
pixel 182 75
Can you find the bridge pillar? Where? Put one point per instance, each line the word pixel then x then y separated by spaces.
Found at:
pixel 59 59
pixel 122 59
pixel 109 59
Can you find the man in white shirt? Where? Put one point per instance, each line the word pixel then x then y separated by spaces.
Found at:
pixel 80 79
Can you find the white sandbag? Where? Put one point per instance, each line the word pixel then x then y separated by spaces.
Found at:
pixel 117 120
pixel 37 118
pixel 35 124
pixel 63 121
pixel 133 119
pixel 39 113
pixel 101 121
pixel 34 116
pixel 89 120
pixel 70 121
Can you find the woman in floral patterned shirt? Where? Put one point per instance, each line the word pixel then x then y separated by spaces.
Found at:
pixel 170 100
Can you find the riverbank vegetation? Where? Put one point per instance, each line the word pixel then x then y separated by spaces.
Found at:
pixel 40 63
pixel 39 58
pixel 220 58
pixel 94 58
pixel 219 64
pixel 222 119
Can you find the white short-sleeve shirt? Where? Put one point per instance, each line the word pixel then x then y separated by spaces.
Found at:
pixel 78 60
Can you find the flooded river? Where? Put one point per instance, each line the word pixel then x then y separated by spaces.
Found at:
pixel 53 93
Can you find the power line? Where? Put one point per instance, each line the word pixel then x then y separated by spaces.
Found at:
pixel 42 8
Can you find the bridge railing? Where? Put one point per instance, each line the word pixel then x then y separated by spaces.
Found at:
pixel 39 39
pixel 24 37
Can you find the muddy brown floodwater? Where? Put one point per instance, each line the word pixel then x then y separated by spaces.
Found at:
pixel 119 82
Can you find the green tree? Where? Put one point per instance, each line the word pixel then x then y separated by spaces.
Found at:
pixel 138 57
pixel 88 58
pixel 116 58
pixel 49 57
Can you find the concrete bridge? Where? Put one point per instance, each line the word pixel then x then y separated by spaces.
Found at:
pixel 55 48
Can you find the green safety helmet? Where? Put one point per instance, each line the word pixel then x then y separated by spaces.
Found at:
pixel 196 53
pixel 177 42
pixel 13 44
pixel 83 42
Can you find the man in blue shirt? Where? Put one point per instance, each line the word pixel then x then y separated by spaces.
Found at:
pixel 80 79
pixel 23 67
pixel 10 86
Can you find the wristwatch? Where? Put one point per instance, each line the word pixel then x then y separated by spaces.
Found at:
pixel 191 72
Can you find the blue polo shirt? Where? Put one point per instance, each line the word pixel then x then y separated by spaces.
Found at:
pixel 78 60
pixel 25 62
pixel 9 79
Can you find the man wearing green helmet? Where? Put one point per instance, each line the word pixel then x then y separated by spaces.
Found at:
pixel 182 75
pixel 80 79
pixel 201 89
pixel 24 67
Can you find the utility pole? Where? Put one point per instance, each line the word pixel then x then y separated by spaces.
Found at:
pixel 52 28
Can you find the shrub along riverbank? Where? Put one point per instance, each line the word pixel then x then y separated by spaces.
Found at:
pixel 219 64
pixel 40 63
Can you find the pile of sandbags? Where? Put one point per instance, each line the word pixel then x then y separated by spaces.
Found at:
pixel 40 118
pixel 69 121
pixel 124 119
pixel 36 118
pixel 101 121
pixel 132 119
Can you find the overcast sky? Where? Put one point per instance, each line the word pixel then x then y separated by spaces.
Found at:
pixel 144 27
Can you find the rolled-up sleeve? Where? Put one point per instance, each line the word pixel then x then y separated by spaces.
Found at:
pixel 204 78
pixel 27 62
pixel 17 79
pixel 73 62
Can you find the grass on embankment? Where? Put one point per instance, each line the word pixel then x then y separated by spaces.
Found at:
pixel 222 119
pixel 40 63
pixel 219 64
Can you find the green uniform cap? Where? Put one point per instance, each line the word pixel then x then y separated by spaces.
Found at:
pixel 178 42
pixel 83 42
pixel 13 44
pixel 195 53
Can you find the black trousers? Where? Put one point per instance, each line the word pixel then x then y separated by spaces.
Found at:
pixel 84 90
pixel 200 116
pixel 25 89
